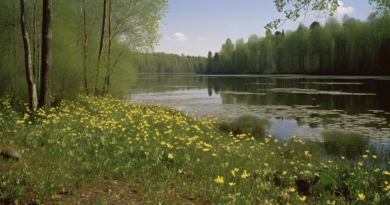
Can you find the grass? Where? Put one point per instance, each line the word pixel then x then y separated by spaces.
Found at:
pixel 350 145
pixel 246 125
pixel 105 151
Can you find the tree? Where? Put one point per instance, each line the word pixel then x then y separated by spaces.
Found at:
pixel 45 93
pixel 27 59
pixel 314 25
pixel 210 62
pixel 315 5
pixel 85 46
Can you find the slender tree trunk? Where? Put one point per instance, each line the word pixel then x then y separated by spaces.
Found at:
pixel 45 94
pixel 14 25
pixel 38 57
pixel 34 39
pixel 107 78
pixel 85 48
pixel 101 45
pixel 27 58
pixel 14 28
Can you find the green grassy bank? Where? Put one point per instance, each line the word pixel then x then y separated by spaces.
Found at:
pixel 105 151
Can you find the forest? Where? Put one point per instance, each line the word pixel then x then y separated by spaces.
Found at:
pixel 92 45
pixel 352 47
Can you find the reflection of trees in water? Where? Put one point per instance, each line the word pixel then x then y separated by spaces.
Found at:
pixel 352 104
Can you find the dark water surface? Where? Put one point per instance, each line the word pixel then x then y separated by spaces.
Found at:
pixel 296 104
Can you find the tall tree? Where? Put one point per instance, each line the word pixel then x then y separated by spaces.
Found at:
pixel 85 47
pixel 101 45
pixel 27 59
pixel 45 93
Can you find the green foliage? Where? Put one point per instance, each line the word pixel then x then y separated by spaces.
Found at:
pixel 245 125
pixel 327 181
pixel 344 144
pixel 169 63
pixel 68 49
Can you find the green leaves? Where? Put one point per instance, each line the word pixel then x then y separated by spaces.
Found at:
pixel 327 181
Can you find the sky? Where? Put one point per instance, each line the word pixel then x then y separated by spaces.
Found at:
pixel 195 27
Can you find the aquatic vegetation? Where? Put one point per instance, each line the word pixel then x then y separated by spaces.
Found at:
pixel 246 125
pixel 345 144
pixel 109 151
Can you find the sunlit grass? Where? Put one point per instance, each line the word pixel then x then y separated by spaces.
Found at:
pixel 166 156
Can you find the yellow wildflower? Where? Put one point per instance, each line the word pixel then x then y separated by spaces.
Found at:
pixel 292 189
pixel 361 197
pixel 284 172
pixel 245 175
pixel 302 198
pixel 219 180
pixel 232 183
pixel 170 156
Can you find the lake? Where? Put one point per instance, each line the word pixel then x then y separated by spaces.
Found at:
pixel 299 105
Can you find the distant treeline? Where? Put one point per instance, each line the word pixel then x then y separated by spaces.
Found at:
pixel 350 47
pixel 169 63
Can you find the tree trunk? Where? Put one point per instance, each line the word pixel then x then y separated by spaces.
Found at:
pixel 14 27
pixel 45 94
pixel 34 40
pixel 107 78
pixel 85 48
pixel 101 45
pixel 27 58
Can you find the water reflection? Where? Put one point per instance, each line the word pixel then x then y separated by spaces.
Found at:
pixel 300 104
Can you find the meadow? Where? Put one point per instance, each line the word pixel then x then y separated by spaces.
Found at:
pixel 102 150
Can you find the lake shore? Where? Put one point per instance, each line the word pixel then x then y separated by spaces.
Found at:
pixel 103 150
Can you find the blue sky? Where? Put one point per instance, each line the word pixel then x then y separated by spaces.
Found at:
pixel 194 27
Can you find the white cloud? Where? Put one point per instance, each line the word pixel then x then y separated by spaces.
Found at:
pixel 341 10
pixel 320 16
pixel 202 38
pixel 176 37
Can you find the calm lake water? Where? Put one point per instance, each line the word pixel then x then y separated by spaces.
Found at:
pixel 297 105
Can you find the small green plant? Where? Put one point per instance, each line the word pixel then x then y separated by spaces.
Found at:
pixel 350 145
pixel 247 124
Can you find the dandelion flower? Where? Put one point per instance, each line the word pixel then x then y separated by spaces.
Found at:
pixel 219 180
pixel 170 156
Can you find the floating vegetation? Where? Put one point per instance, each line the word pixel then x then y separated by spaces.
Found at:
pixel 333 83
pixel 313 91
pixel 264 83
pixel 242 93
